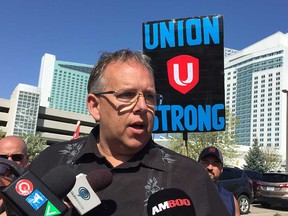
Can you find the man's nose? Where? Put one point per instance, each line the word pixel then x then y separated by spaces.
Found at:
pixel 141 102
pixel 210 166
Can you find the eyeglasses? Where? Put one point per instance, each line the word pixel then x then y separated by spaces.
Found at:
pixel 213 163
pixel 130 96
pixel 15 157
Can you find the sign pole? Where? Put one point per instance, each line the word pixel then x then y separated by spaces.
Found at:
pixel 185 142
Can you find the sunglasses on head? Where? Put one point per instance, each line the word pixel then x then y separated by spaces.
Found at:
pixel 15 157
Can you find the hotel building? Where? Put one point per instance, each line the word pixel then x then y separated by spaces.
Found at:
pixel 254 80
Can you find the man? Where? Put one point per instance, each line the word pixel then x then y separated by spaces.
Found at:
pixel 13 148
pixel 212 160
pixel 122 99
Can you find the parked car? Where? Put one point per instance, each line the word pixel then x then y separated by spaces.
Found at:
pixel 255 176
pixel 273 189
pixel 236 181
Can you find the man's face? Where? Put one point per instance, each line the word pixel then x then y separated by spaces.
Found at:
pixel 13 148
pixel 125 128
pixel 213 166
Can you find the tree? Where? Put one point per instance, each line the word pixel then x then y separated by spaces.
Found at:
pixel 273 158
pixel 35 144
pixel 255 159
pixel 197 141
pixel 2 134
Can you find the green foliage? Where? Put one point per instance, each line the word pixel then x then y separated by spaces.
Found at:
pixel 2 134
pixel 200 140
pixel 35 144
pixel 196 142
pixel 255 159
pixel 273 158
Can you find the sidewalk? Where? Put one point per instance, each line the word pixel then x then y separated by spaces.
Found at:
pixel 257 210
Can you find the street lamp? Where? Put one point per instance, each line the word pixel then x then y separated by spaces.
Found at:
pixel 286 92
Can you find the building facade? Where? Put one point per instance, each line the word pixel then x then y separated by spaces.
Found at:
pixel 63 84
pixel 55 125
pixel 24 106
pixel 254 80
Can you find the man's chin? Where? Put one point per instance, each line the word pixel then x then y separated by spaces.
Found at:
pixel 212 177
pixel 135 145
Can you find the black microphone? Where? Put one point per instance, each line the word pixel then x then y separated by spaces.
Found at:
pixel 9 171
pixel 170 202
pixel 28 195
pixel 83 195
pixel 14 168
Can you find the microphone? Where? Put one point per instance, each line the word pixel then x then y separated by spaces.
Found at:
pixel 14 168
pixel 28 195
pixel 83 196
pixel 9 170
pixel 170 202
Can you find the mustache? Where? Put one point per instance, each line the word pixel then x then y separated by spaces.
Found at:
pixel 211 171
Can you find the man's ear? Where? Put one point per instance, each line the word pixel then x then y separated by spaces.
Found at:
pixel 26 161
pixel 93 105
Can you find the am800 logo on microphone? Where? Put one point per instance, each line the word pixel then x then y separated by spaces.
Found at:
pixel 170 204
pixel 170 201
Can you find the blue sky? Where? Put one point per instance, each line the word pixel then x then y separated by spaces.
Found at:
pixel 78 30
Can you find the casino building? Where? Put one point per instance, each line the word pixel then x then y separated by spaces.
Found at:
pixel 63 84
pixel 254 80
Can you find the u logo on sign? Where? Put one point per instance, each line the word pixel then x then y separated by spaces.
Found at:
pixel 183 73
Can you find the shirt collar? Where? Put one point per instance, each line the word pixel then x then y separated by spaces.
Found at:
pixel 151 155
pixel 90 146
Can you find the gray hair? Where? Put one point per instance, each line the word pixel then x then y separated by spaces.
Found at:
pixel 96 82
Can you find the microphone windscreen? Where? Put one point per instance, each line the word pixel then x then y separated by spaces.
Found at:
pixel 9 171
pixel 170 202
pixel 60 180
pixel 14 168
pixel 99 179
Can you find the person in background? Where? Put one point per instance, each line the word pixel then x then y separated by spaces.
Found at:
pixel 212 160
pixel 12 148
pixel 122 99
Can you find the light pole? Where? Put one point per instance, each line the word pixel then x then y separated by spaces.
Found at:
pixel 286 92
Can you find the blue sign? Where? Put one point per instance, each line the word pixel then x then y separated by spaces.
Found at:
pixel 36 199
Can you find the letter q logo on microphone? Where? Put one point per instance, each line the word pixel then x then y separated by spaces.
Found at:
pixel 84 193
pixel 24 187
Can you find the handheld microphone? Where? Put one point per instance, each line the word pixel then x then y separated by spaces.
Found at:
pixel 28 195
pixel 9 171
pixel 83 196
pixel 170 202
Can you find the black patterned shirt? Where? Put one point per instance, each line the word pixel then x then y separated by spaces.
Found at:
pixel 152 169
